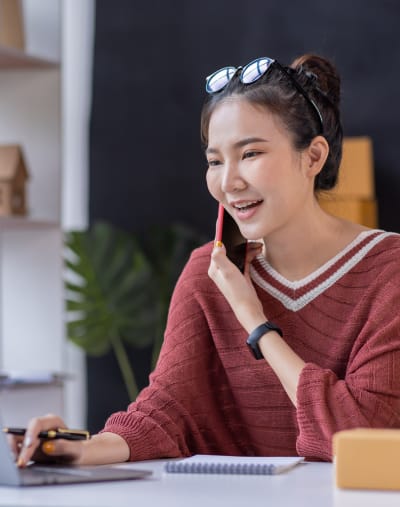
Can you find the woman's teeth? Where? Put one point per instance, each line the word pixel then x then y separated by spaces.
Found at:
pixel 246 206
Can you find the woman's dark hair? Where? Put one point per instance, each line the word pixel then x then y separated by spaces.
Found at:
pixel 276 92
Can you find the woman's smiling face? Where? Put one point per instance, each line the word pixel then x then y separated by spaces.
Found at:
pixel 254 169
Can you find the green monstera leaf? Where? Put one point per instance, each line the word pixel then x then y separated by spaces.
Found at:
pixel 110 294
pixel 168 249
pixel 118 291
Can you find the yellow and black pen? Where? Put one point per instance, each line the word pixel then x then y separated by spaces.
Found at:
pixel 65 433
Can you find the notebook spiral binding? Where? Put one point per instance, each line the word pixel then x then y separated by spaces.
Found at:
pixel 221 468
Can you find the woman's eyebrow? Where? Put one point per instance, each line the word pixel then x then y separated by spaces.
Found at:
pixel 239 144
pixel 249 140
pixel 210 150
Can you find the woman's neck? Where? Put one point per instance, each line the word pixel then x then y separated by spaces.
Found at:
pixel 298 251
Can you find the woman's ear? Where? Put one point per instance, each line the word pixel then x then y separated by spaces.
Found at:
pixel 316 155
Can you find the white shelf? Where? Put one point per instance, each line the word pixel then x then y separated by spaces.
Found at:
pixel 31 246
pixel 25 223
pixel 11 58
pixel 30 116
pixel 18 379
pixel 45 108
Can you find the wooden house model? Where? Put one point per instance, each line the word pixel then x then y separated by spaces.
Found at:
pixel 13 177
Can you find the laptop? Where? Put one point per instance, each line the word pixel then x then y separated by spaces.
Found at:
pixel 36 475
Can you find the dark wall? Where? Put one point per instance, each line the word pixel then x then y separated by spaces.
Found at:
pixel 150 62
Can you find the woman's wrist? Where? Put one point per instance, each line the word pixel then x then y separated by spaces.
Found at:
pixel 252 322
pixel 258 333
pixel 104 448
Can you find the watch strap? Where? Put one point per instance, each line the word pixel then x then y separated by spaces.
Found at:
pixel 259 332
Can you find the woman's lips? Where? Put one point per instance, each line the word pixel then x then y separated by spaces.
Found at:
pixel 246 209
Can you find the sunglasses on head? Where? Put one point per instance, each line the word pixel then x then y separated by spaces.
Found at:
pixel 251 73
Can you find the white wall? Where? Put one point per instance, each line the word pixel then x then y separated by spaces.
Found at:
pixel 47 111
pixel 31 288
pixel 42 19
pixel 77 49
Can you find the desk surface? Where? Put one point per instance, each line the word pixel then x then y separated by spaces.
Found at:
pixel 308 485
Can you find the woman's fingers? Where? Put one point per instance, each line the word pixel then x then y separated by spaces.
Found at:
pixel 237 289
pixel 220 261
pixel 253 249
pixel 15 444
pixel 58 451
pixel 31 439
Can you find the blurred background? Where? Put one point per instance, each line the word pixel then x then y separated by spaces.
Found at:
pixel 133 78
pixel 149 67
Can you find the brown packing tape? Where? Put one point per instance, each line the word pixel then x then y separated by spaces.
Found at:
pixel 360 211
pixel 356 172
pixel 367 459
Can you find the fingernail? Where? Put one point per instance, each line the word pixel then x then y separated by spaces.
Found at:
pixel 48 447
pixel 218 244
pixel 20 462
pixel 27 441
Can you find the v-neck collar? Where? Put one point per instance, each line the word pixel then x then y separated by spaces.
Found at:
pixel 294 295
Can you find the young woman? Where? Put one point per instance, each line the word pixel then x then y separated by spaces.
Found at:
pixel 319 297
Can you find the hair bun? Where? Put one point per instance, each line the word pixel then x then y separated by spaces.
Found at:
pixel 323 72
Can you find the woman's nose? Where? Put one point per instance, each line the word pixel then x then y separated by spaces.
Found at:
pixel 231 179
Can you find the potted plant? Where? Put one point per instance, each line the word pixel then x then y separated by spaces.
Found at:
pixel 118 289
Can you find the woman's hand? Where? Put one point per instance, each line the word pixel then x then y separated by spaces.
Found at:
pixel 31 447
pixel 100 449
pixel 242 297
pixel 237 288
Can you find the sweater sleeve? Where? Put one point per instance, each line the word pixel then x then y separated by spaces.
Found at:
pixel 164 419
pixel 369 393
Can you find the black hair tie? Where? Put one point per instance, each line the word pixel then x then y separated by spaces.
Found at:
pixel 313 78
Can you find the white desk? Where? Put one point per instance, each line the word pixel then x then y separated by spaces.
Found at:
pixel 308 485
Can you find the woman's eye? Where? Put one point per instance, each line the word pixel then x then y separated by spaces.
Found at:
pixel 212 163
pixel 250 154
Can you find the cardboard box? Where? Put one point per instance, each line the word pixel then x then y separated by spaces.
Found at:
pixel 356 172
pixel 360 211
pixel 12 24
pixel 367 459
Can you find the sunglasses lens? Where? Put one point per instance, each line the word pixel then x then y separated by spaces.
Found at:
pixel 219 79
pixel 255 69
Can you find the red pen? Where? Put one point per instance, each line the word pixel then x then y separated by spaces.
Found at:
pixel 220 226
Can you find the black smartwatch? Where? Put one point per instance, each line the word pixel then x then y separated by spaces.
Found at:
pixel 259 331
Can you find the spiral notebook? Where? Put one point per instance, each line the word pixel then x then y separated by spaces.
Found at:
pixel 210 464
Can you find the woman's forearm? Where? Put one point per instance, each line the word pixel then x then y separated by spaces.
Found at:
pixel 104 448
pixel 286 364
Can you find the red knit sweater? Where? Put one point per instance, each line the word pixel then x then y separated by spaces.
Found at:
pixel 209 395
